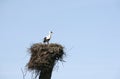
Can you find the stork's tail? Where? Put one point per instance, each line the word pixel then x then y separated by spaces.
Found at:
pixel 44 40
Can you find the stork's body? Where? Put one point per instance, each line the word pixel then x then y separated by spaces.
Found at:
pixel 47 38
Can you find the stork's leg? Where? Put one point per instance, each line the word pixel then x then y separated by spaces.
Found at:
pixel 47 42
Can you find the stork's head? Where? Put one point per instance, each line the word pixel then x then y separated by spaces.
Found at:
pixel 50 32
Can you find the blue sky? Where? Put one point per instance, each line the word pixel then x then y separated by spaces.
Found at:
pixel 88 29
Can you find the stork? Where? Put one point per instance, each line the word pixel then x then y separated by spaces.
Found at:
pixel 47 38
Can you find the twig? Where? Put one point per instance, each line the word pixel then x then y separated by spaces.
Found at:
pixel 23 73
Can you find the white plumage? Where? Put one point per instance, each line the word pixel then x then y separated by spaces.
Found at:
pixel 47 38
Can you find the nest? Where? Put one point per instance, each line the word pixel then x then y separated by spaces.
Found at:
pixel 44 56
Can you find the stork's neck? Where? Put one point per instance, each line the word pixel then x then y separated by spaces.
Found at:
pixel 50 34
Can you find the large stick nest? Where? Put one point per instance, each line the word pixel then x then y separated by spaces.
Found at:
pixel 44 56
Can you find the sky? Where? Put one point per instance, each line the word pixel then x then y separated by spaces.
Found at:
pixel 88 29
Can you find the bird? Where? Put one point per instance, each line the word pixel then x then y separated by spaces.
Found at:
pixel 47 38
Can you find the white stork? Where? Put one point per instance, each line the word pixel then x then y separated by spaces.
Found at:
pixel 47 38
